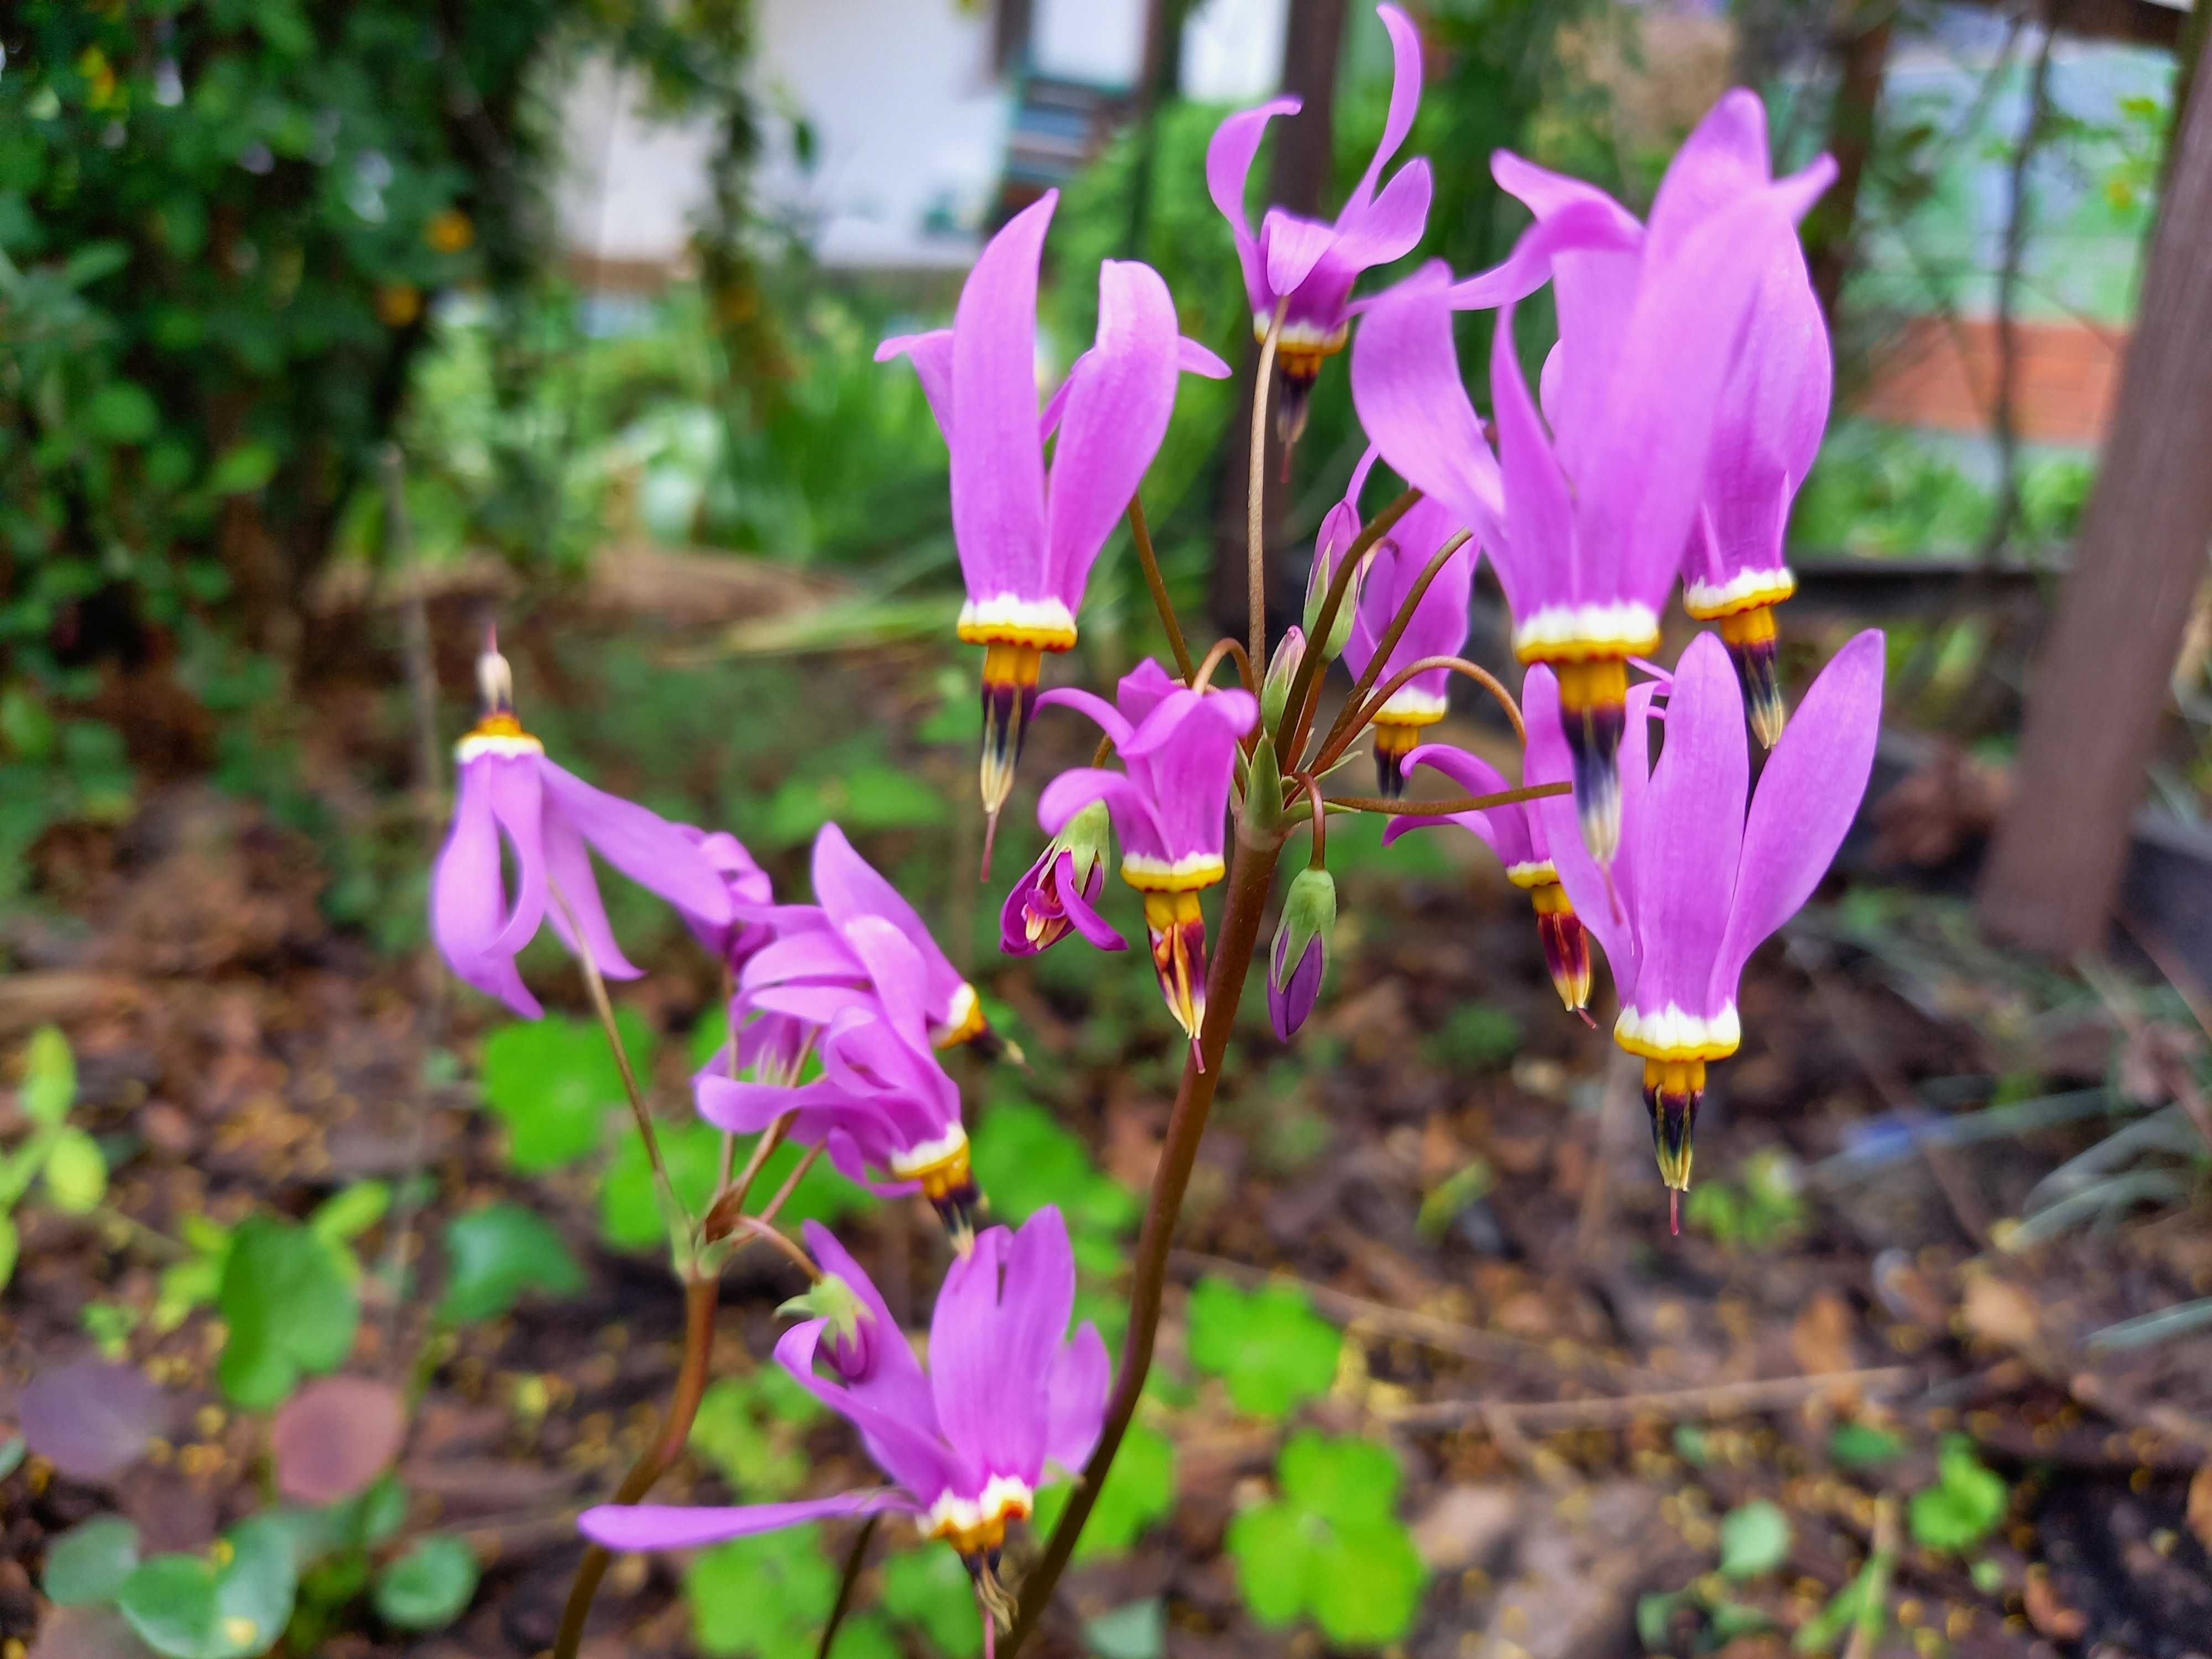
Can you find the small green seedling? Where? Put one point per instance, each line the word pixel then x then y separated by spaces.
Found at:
pixel 1331 1547
pixel 62 1159
pixel 1269 1345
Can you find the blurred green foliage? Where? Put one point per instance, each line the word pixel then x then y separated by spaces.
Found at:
pixel 1331 1547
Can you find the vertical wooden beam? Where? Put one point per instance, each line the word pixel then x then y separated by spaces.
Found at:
pixel 1862 49
pixel 2101 686
pixel 1303 147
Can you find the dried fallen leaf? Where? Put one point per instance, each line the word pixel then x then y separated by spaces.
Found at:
pixel 334 1437
pixel 2000 1312
pixel 2046 1611
pixel 2199 1512
pixel 1820 1337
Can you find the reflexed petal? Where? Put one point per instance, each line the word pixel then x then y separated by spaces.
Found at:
pixel 1808 796
pixel 998 466
pixel 1142 689
pixel 1795 192
pixel 1723 161
pixel 644 845
pixel 569 868
pixel 1539 550
pixel 896 969
pixel 1501 828
pixel 467 895
pixel 970 1366
pixel 1075 1400
pixel 896 1378
pixel 1135 820
pixel 1229 155
pixel 746 1108
pixel 1294 246
pixel 931 354
pixel 1118 406
pixel 1107 718
pixel 1034 1301
pixel 849 887
pixel 1691 831
pixel 818 953
pixel 1390 226
pixel 518 802
pixel 1086 921
pixel 1192 358
pixel 910 1450
pixel 688 1526
pixel 1405 103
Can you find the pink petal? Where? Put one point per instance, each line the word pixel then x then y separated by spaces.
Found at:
pixel 1537 562
pixel 1690 831
pixel 569 867
pixel 998 467
pixel 467 895
pixel 1075 1400
pixel 1808 796
pixel 644 845
pixel 1193 358
pixel 1405 103
pixel 931 354
pixel 908 1449
pixel 686 1527
pixel 1134 819
pixel 1228 168
pixel 1721 162
pixel 1294 246
pixel 518 801
pixel 896 1378
pixel 1389 228
pixel 1086 921
pixel 1501 828
pixel 1095 708
pixel 969 1362
pixel 849 887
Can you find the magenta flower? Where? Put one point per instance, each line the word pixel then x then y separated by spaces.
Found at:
pixel 1437 627
pixel 1169 807
pixel 1059 892
pixel 1028 539
pixel 1700 885
pixel 812 946
pixel 1600 498
pixel 735 939
pixel 1308 268
pixel 1299 960
pixel 1516 833
pixel 883 1107
pixel 1007 1396
pixel 550 818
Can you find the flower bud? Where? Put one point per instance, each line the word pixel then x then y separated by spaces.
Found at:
pixel 848 1345
pixel 1338 532
pixel 1300 957
pixel 1059 891
pixel 1275 689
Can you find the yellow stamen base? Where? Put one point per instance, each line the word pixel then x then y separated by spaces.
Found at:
pixel 1566 946
pixel 1673 1090
pixel 1177 928
pixel 1753 645
pixel 977 1527
pixel 948 1181
pixel 1593 714
pixel 1397 734
pixel 497 733
pixel 964 1022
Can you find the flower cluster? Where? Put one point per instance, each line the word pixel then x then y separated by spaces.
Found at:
pixel 1668 430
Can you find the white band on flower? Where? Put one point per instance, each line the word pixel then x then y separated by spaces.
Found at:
pixel 1535 873
pixel 1625 627
pixel 1013 620
pixel 1674 1034
pixel 953 1515
pixel 1705 600
pixel 1301 337
pixel 508 747
pixel 1411 706
pixel 1186 874
pixel 916 1160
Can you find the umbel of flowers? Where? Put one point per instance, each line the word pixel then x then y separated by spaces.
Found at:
pixel 1662 441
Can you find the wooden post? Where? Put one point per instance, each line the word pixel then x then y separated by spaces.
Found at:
pixel 1303 147
pixel 2102 684
pixel 1862 58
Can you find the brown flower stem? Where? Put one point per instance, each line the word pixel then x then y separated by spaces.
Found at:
pixel 1481 677
pixel 1149 563
pixel 699 1297
pixel 1345 727
pixel 729 1203
pixel 1255 516
pixel 855 1561
pixel 790 1184
pixel 1319 859
pixel 1204 674
pixel 1290 730
pixel 776 1239
pixel 1403 809
pixel 1251 873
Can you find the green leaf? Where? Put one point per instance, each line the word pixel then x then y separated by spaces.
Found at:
pixel 1140 1489
pixel 49 1077
pixel 1024 1160
pixel 349 1214
pixel 1363 1586
pixel 865 1636
pixel 1346 1482
pixel 169 1602
pixel 496 1255
pixel 1273 1545
pixel 629 1212
pixel 929 1590
pixel 1270 1347
pixel 75 1173
pixel 1332 1546
pixel 11 1246
pixel 1863 1446
pixel 1754 1538
pixel 88 1563
pixel 1139 1630
pixel 241 468
pixel 379 1513
pixel 554 1083
pixel 429 1586
pixel 290 1309
pixel 765 1596
pixel 1965 1504
pixel 188 1608
pixel 122 412
pixel 756 1449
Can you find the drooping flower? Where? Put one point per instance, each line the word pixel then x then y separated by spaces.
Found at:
pixel 883 1107
pixel 1516 833
pixel 733 941
pixel 551 821
pixel 1767 432
pixel 1308 268
pixel 1600 491
pixel 1701 885
pixel 1059 892
pixel 1007 1396
pixel 812 946
pixel 1298 961
pixel 1438 626
pixel 1170 808
pixel 1027 539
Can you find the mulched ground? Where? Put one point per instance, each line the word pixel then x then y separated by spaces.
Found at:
pixel 246 1052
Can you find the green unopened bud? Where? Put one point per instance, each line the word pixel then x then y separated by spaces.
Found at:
pixel 1275 689
pixel 1263 791
pixel 831 1298
pixel 1300 956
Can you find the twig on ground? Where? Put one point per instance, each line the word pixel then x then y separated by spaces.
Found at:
pixel 1712 1400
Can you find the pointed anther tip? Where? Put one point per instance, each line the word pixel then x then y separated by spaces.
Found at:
pixel 990 839
pixel 1584 1015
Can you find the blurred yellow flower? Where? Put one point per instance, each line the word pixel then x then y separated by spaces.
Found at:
pixel 399 304
pixel 449 232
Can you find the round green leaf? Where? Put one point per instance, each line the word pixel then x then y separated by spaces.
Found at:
pixel 122 413
pixel 88 1563
pixel 289 1308
pixel 76 1173
pixel 1754 1538
pixel 1270 1346
pixel 1271 1545
pixel 169 1602
pixel 555 1083
pixel 1363 1585
pixel 429 1586
pixel 49 1073
pixel 496 1254
pixel 1347 1482
pixel 254 1589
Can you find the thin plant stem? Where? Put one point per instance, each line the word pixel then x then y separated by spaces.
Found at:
pixel 1319 858
pixel 1222 647
pixel 1401 809
pixel 1251 873
pixel 855 1561
pixel 1389 643
pixel 1255 514
pixel 1290 732
pixel 699 1297
pixel 730 1203
pixel 769 1233
pixel 1149 563
pixel 729 1141
pixel 790 1184
pixel 1390 688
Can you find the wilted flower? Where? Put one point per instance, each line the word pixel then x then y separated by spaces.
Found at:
pixel 1601 493
pixel 1170 808
pixel 883 1107
pixel 1700 885
pixel 1061 891
pixel 1310 267
pixel 1027 541
pixel 1516 832
pixel 1299 959
pixel 1008 1395
pixel 550 817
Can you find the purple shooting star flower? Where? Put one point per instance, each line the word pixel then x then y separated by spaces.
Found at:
pixel 1437 627
pixel 1008 1395
pixel 1700 884
pixel 735 940
pixel 1299 960
pixel 551 820
pixel 1060 892
pixel 1170 808
pixel 883 1107
pixel 1516 833
pixel 1600 491
pixel 1027 539
pixel 1308 268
